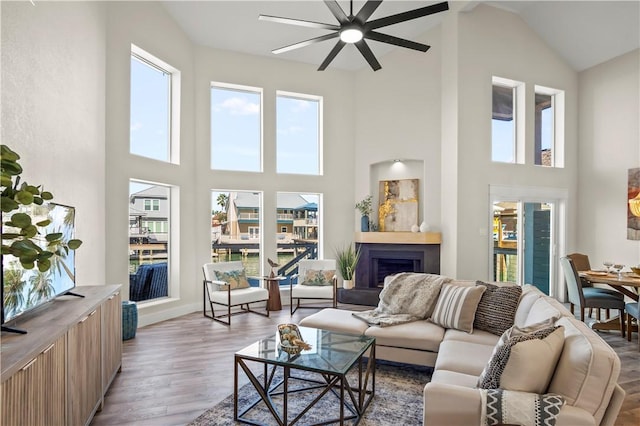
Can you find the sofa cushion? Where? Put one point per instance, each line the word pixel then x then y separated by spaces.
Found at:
pixel 544 309
pixel 587 371
pixel 456 307
pixel 524 359
pixel 335 320
pixel 463 357
pixel 497 308
pixel 421 335
pixel 318 277
pixel 454 378
pixel 529 296
pixel 478 336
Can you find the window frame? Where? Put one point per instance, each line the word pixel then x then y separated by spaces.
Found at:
pixel 518 146
pixel 557 144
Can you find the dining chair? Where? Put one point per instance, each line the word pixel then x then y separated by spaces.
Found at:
pixel 633 311
pixel 589 297
pixel 225 284
pixel 315 280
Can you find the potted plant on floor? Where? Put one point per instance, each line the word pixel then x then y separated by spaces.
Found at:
pixel 347 259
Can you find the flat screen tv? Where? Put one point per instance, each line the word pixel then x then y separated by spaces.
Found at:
pixel 25 289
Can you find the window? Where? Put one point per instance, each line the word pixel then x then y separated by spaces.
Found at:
pixel 236 128
pixel 547 113
pixel 149 240
pixel 235 229
pixel 505 121
pixel 299 136
pixel 151 205
pixel 154 118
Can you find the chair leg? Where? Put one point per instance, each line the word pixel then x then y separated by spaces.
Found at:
pixel 581 313
pixel 622 322
pixel 598 314
pixel 629 328
pixel 607 313
pixel 571 308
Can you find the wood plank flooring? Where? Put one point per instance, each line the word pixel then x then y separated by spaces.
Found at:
pixel 175 370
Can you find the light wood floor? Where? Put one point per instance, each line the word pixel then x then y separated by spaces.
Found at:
pixel 173 371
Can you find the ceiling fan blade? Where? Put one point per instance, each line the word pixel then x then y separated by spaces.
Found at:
pixel 305 43
pixel 407 16
pixel 367 10
pixel 363 47
pixel 299 22
pixel 334 52
pixel 389 39
pixel 337 11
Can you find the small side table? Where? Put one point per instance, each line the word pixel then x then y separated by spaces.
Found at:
pixel 273 285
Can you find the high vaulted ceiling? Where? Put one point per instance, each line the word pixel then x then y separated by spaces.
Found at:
pixel 584 33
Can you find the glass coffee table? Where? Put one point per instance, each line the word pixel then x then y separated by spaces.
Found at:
pixel 320 370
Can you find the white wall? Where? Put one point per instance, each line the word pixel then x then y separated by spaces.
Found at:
pixel 53 89
pixel 609 135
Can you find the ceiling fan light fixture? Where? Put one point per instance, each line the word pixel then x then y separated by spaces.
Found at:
pixel 351 35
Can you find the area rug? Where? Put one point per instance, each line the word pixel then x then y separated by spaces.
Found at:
pixel 397 401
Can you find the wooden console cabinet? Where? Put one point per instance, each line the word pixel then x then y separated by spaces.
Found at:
pixel 59 372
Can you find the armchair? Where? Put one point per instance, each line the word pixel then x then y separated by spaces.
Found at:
pixel 225 284
pixel 316 279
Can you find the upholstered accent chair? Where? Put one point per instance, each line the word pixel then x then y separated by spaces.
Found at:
pixel 316 279
pixel 589 297
pixel 633 311
pixel 225 284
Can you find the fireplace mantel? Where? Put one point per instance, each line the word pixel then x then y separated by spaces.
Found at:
pixel 398 237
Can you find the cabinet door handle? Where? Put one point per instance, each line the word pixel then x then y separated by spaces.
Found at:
pixel 87 317
pixel 49 348
pixel 112 297
pixel 26 367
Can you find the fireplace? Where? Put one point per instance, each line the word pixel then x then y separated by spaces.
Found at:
pixel 379 259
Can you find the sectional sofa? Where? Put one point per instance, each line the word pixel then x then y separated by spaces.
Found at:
pixel 584 370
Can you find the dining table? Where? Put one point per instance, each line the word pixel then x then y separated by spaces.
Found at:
pixel 627 283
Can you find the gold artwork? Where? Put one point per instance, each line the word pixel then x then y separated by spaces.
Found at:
pixel 398 209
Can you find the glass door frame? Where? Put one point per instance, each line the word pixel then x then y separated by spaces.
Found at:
pixel 557 198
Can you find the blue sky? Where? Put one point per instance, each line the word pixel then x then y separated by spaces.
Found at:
pixel 502 137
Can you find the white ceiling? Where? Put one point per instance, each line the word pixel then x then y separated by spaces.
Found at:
pixel 585 33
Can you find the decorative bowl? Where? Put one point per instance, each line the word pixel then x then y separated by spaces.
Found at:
pixel 636 269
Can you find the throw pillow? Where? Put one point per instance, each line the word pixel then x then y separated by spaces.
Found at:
pixel 524 359
pixel 501 407
pixel 497 308
pixel 456 307
pixel 236 279
pixel 318 277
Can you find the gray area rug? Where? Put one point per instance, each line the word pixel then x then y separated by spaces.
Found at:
pixel 397 401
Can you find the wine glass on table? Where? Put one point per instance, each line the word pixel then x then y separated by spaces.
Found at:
pixel 608 264
pixel 618 268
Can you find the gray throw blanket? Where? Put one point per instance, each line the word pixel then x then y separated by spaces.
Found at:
pixel 407 297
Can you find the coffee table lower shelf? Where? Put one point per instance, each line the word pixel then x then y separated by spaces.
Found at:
pixel 353 398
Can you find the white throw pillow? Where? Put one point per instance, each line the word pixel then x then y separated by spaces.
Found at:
pixel 456 307
pixel 524 359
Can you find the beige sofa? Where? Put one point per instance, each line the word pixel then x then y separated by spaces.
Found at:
pixel 586 373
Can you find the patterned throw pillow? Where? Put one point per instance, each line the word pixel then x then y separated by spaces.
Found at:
pixel 497 308
pixel 456 307
pixel 521 408
pixel 318 277
pixel 524 359
pixel 236 279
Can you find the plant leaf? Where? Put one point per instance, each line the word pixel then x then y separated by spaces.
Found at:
pixel 43 223
pixel 8 204
pixel 24 197
pixel 46 195
pixel 74 244
pixel 20 220
pixel 53 237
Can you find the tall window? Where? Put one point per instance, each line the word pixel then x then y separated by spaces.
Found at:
pixel 235 229
pixel 154 107
pixel 505 123
pixel 299 124
pixel 548 137
pixel 236 128
pixel 149 240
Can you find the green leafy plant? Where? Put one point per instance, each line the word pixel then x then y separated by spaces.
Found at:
pixel 347 259
pixel 27 242
pixel 365 205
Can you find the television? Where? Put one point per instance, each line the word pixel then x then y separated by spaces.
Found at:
pixel 23 290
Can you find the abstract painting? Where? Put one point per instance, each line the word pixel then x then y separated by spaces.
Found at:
pixel 633 221
pixel 398 209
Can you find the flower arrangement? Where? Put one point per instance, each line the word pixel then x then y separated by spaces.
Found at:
pixel 365 205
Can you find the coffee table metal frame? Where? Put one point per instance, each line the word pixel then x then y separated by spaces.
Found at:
pixel 354 398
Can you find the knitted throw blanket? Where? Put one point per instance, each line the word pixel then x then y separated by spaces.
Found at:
pixel 407 297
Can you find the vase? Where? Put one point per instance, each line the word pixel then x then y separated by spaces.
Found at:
pixel 424 227
pixel 347 284
pixel 364 224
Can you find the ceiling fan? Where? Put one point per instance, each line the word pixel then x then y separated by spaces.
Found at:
pixel 355 29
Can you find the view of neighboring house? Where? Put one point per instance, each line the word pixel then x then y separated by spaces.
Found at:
pixel 148 215
pixel 297 218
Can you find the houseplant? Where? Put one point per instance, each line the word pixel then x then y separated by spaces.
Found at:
pixel 365 210
pixel 27 244
pixel 347 259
